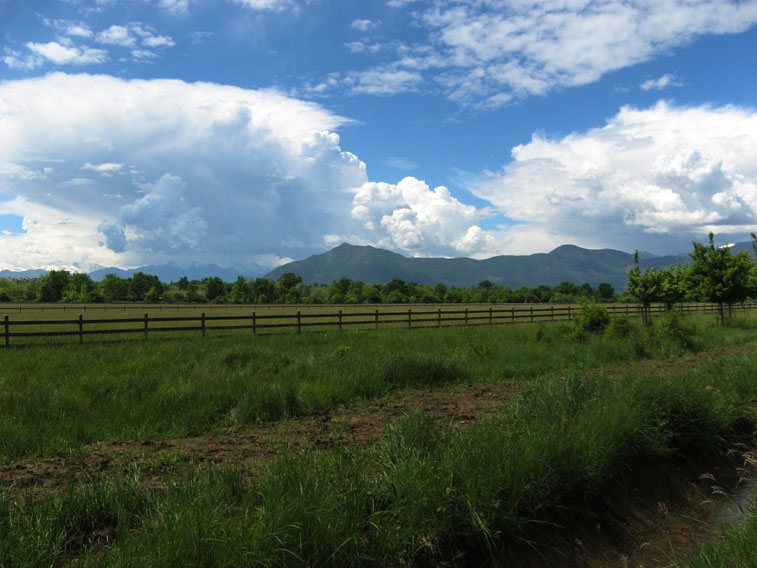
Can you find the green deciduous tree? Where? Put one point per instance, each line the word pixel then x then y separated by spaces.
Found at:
pixel 214 288
pixel 717 275
pixel 52 285
pixel 114 289
pixel 644 287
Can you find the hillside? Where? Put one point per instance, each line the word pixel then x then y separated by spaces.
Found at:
pixel 567 262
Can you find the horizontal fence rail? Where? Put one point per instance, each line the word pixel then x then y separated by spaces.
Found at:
pixel 306 318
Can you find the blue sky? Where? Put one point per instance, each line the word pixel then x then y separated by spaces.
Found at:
pixel 250 132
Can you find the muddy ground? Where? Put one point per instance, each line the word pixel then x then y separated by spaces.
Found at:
pixel 640 527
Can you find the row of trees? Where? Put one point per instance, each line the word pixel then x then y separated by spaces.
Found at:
pixel 61 286
pixel 714 274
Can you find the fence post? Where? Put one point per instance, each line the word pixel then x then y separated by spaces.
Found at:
pixel 81 330
pixel 439 317
pixel 146 320
pixel 512 314
pixel 376 318
pixel 409 316
pixel 202 323
pixel 490 315
pixel 569 316
pixel 466 316
pixel 340 320
pixel 7 331
pixel 254 327
pixel 552 312
pixel 299 323
pixel 531 308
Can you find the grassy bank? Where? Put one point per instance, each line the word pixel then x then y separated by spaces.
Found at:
pixel 737 548
pixel 56 399
pixel 423 494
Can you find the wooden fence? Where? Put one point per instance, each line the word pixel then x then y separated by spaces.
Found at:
pixel 411 317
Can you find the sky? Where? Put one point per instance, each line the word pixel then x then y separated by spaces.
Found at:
pixel 248 133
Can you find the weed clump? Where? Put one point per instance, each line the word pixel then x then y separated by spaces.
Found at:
pixel 404 372
pixel 592 320
pixel 621 327
pixel 673 327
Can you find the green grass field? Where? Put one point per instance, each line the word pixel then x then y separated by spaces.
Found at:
pixel 424 494
pixel 58 398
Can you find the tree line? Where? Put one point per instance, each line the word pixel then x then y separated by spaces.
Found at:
pixel 714 274
pixel 62 286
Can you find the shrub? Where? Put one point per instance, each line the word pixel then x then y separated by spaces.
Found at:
pixel 592 319
pixel 620 327
pixel 673 327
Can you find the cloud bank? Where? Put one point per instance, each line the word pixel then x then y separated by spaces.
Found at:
pixel 107 171
pixel 650 179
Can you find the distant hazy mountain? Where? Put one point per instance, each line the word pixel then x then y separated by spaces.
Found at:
pixel 165 272
pixel 33 273
pixel 171 272
pixel 566 263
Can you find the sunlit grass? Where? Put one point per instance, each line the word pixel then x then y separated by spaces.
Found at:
pixel 58 398
pixel 424 494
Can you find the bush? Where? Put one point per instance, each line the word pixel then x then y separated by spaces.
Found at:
pixel 592 319
pixel 673 327
pixel 620 327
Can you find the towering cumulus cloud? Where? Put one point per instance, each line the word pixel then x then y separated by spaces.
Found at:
pixel 105 171
pixel 677 172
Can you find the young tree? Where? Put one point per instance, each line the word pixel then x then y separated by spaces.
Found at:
pixel 605 291
pixel 717 275
pixel 644 287
pixel 674 287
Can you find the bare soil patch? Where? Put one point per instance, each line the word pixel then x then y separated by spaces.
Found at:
pixel 249 446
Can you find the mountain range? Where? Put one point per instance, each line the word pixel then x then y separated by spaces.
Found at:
pixel 565 263
pixel 375 266
pixel 165 272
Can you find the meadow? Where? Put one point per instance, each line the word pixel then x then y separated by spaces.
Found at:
pixel 425 493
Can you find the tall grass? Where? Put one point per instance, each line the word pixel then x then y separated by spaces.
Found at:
pixel 737 548
pixel 424 494
pixel 56 399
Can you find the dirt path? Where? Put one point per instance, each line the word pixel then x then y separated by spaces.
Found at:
pixel 249 446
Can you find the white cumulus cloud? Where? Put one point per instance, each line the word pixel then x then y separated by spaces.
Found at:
pixel 667 80
pixel 363 25
pixel 412 218
pixel 274 5
pixel 486 53
pixel 116 35
pixel 651 179
pixel 203 172
pixel 65 54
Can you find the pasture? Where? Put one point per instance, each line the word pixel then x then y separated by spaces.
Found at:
pixel 589 409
